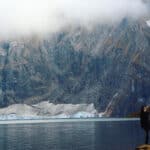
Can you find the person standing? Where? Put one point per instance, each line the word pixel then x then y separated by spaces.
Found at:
pixel 145 121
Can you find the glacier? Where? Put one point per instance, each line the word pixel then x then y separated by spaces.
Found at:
pixel 46 110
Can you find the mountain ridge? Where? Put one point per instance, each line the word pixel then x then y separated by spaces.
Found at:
pixel 107 65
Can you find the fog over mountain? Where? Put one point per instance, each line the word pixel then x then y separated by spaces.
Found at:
pixel 21 17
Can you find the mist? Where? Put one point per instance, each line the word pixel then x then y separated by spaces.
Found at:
pixel 23 17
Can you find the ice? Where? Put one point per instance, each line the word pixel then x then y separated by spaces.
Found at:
pixel 60 116
pixel 148 23
pixel 83 115
pixel 102 114
pixel 46 110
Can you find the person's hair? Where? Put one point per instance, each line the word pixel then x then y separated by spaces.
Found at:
pixel 142 108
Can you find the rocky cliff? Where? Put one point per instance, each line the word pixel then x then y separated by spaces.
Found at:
pixel 107 65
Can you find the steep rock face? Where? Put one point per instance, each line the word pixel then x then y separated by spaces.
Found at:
pixel 107 66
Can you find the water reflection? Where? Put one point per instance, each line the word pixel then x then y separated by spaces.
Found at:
pixel 72 136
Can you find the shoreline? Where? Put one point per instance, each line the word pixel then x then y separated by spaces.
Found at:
pixel 39 121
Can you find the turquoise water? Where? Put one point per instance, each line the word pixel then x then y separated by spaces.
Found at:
pixel 77 134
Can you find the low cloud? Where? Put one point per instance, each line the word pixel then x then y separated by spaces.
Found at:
pixel 20 17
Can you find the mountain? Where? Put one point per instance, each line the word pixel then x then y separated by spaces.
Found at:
pixel 107 65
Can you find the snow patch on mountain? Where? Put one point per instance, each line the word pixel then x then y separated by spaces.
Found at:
pixel 148 23
pixel 46 110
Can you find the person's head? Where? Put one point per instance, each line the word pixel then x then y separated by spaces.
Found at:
pixel 147 109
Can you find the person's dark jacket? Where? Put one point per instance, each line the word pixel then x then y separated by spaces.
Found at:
pixel 144 119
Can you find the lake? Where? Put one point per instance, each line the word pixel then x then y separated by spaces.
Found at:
pixel 72 135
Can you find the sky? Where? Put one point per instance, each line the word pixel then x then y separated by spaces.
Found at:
pixel 21 17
